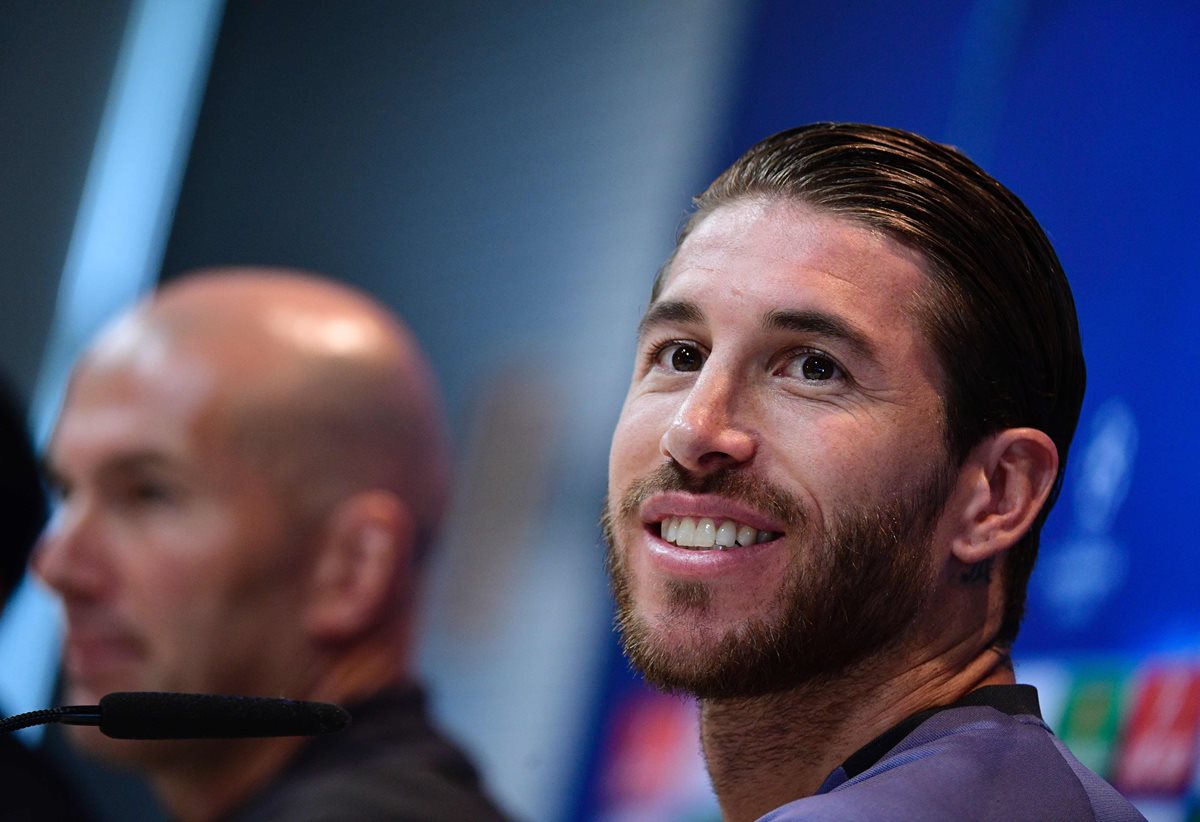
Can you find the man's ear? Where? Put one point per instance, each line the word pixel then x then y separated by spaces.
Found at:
pixel 362 566
pixel 1007 479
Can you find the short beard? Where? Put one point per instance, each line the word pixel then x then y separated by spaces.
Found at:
pixel 852 589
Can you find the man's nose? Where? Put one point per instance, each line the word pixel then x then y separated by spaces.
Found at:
pixel 710 430
pixel 69 554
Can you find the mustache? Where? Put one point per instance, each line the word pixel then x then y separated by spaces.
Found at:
pixel 733 484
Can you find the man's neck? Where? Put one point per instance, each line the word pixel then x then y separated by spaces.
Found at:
pixel 206 788
pixel 763 752
pixel 219 776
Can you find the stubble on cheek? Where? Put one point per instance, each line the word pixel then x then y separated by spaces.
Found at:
pixel 857 588
pixel 664 624
pixel 684 596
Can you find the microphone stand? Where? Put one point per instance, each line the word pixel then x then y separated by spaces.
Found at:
pixel 67 715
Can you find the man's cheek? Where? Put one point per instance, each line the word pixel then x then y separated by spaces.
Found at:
pixel 644 418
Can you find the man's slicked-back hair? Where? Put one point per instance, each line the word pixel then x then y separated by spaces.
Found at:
pixel 998 311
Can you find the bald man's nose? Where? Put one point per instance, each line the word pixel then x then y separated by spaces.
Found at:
pixel 708 432
pixel 69 556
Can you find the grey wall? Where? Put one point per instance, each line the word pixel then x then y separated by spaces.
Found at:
pixel 55 65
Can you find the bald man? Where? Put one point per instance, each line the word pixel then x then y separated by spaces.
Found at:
pixel 251 468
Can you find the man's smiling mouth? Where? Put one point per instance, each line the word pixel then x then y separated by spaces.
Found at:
pixel 707 533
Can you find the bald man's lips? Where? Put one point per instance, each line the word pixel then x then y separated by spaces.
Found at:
pixel 90 655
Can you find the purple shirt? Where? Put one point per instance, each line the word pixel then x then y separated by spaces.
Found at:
pixel 987 757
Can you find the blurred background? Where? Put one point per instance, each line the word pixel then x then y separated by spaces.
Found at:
pixel 508 177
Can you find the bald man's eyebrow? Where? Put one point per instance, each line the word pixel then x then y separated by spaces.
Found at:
pixel 121 465
pixel 139 460
pixel 670 311
pixel 823 324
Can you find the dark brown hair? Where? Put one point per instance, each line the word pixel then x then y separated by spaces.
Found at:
pixel 998 312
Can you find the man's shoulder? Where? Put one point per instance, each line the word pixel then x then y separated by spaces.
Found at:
pixel 374 790
pixel 390 764
pixel 968 763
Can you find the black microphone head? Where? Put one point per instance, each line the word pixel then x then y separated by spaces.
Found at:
pixel 159 715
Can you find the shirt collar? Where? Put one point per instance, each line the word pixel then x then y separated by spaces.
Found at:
pixel 1008 699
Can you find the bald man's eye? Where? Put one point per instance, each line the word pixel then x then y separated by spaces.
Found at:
pixel 144 493
pixel 152 492
pixel 678 356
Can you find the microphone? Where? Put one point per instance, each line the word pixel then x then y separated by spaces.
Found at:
pixel 160 715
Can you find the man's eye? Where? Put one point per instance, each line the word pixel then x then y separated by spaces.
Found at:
pixel 149 493
pixel 679 357
pixel 814 367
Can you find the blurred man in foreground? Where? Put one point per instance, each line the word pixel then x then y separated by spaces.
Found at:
pixel 856 385
pixel 31 784
pixel 251 469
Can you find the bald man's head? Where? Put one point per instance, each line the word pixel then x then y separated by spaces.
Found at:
pixel 319 382
pixel 248 464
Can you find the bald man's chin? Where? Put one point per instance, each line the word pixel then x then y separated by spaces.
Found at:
pixel 88 740
pixel 131 753
pixel 150 758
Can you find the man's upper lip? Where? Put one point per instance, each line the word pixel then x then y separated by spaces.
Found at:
pixel 88 656
pixel 92 640
pixel 685 504
pixel 97 629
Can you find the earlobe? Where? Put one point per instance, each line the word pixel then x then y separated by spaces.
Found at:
pixel 1009 476
pixel 360 567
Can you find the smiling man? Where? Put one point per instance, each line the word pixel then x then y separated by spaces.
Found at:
pixel 251 469
pixel 855 390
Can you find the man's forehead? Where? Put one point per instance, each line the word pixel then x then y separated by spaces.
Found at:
pixel 143 369
pixel 745 239
pixel 792 254
pixel 148 400
pixel 172 348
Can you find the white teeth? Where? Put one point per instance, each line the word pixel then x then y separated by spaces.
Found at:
pixel 705 532
pixel 687 530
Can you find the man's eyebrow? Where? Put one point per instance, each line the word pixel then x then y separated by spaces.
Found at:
pixel 670 311
pixel 122 464
pixel 826 325
pixel 137 460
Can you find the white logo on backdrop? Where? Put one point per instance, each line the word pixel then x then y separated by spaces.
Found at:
pixel 1077 575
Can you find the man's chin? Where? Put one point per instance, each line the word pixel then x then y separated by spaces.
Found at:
pixel 129 753
pixel 685 656
pixel 90 741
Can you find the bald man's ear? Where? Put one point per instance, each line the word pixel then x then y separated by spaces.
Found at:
pixel 1004 484
pixel 364 566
